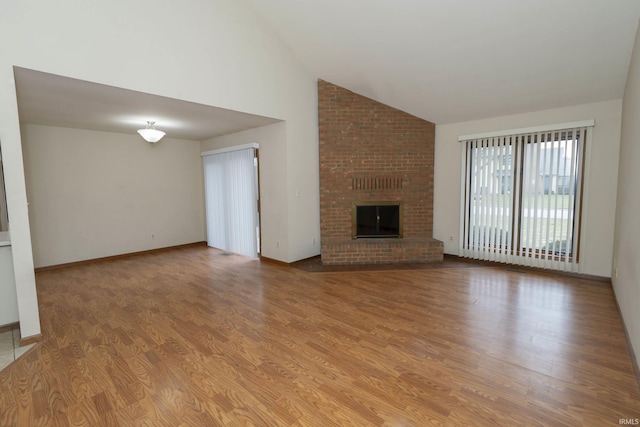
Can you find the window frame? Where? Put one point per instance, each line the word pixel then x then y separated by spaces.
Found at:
pixel 513 249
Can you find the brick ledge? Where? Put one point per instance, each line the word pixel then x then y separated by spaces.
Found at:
pixel 382 251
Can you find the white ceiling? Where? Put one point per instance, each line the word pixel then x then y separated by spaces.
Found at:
pixel 53 100
pixel 456 60
pixel 443 60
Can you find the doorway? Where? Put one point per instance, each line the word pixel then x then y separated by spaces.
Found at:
pixel 232 199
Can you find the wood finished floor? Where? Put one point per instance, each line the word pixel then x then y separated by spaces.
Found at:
pixel 191 337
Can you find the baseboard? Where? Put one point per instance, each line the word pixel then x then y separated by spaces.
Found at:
pixel 288 264
pixel 632 353
pixel 30 340
pixel 9 327
pixel 292 264
pixel 273 261
pixel 114 257
pixel 23 341
pixel 634 359
pixel 592 277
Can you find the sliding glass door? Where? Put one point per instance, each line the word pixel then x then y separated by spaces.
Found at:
pixel 523 198
pixel 231 197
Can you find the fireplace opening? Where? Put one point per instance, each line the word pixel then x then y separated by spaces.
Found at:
pixel 377 219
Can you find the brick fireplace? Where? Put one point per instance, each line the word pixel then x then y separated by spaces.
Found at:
pixel 371 153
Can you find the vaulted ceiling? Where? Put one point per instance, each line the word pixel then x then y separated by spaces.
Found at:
pixel 442 60
pixel 456 60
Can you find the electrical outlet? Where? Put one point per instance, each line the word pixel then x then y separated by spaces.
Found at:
pixel 277 244
pixel 313 241
pixel 451 238
pixel 153 236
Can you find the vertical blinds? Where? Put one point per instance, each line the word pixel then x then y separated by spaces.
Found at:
pixel 231 201
pixel 522 198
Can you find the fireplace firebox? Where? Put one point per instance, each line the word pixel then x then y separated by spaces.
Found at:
pixel 376 220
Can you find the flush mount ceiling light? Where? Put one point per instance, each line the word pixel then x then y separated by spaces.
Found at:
pixel 150 133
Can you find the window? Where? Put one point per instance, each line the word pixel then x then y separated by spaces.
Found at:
pixel 523 197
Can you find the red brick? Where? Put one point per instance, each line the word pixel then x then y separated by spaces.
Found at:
pixel 364 139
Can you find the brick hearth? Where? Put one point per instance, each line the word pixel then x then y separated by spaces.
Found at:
pixel 370 152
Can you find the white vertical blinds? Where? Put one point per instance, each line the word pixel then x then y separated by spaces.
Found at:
pixel 231 201
pixel 522 197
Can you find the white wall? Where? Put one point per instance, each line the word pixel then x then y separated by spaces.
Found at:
pixel 214 52
pixel 303 166
pixel 8 302
pixel 599 211
pixel 21 254
pixel 95 194
pixel 627 235
pixel 273 179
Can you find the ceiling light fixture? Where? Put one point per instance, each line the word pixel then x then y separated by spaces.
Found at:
pixel 150 133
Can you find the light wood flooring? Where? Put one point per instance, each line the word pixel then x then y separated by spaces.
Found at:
pixel 195 337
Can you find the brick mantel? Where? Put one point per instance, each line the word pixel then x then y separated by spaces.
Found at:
pixel 372 152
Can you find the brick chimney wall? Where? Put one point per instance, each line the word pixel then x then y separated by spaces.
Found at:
pixel 370 152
